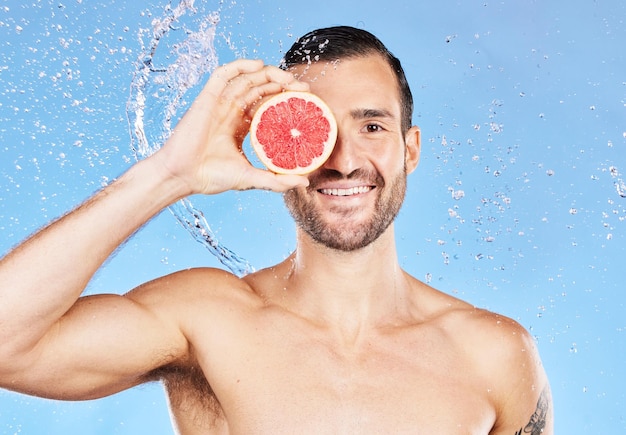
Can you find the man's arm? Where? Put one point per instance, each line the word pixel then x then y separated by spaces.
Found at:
pixel 56 345
pixel 541 422
pixel 41 323
pixel 524 399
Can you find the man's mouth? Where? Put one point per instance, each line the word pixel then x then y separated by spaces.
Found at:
pixel 346 192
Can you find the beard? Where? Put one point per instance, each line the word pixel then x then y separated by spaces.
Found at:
pixel 343 233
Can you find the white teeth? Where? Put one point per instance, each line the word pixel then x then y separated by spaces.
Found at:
pixel 346 192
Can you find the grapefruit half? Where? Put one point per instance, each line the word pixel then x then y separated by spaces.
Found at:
pixel 293 132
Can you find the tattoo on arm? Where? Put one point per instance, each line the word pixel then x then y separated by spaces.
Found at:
pixel 538 420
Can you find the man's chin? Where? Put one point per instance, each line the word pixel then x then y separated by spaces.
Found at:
pixel 344 237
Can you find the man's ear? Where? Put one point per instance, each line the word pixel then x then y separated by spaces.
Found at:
pixel 412 141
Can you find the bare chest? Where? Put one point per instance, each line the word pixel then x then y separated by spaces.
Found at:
pixel 285 383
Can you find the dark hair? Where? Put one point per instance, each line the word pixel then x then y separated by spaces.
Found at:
pixel 342 42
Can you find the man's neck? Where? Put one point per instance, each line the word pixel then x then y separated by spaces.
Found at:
pixel 349 292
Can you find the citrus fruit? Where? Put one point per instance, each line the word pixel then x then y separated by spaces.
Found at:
pixel 293 132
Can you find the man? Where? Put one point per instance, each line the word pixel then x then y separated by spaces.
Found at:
pixel 335 339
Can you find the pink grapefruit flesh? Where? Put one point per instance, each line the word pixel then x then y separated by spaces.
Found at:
pixel 293 132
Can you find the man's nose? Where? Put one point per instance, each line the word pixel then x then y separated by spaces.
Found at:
pixel 345 157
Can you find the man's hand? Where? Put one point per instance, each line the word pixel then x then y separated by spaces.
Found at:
pixel 205 149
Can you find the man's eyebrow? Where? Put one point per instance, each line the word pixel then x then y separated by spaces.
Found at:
pixel 370 113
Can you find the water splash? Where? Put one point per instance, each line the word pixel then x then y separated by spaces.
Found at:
pixel 157 99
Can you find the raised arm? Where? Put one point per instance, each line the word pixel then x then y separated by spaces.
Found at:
pixel 54 344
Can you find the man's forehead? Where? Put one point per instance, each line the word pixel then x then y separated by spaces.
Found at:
pixel 366 84
pixel 362 65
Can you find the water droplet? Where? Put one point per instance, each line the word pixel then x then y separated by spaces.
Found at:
pixel 495 127
pixel 446 258
pixel 620 186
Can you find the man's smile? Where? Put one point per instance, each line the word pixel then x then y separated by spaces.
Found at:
pixel 346 191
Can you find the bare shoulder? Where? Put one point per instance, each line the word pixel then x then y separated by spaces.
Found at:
pixel 499 345
pixel 204 286
pixel 488 336
pixel 508 355
pixel 522 396
pixel 501 353
pixel 199 302
pixel 493 341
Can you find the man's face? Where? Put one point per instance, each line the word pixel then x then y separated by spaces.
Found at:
pixel 354 197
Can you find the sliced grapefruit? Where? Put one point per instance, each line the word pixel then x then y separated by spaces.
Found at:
pixel 293 132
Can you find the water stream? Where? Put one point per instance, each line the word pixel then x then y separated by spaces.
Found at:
pixel 177 54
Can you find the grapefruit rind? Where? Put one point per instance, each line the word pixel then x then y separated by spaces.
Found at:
pixel 282 129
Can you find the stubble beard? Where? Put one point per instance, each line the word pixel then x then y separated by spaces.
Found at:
pixel 343 234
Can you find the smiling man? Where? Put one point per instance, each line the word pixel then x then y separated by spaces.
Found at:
pixel 335 339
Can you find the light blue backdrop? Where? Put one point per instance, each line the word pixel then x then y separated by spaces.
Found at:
pixel 518 205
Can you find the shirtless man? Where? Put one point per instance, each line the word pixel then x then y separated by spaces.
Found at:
pixel 336 339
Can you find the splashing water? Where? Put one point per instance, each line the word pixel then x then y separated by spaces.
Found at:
pixel 157 95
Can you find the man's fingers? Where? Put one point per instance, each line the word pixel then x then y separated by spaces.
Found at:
pixel 258 94
pixel 234 81
pixel 268 180
pixel 229 71
pixel 253 72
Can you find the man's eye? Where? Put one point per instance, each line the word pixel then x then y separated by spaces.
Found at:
pixel 373 128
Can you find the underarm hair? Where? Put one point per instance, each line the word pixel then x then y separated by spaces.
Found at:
pixel 189 392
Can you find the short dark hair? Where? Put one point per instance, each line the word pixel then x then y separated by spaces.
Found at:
pixel 342 42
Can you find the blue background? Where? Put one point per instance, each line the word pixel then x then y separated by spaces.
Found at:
pixel 515 207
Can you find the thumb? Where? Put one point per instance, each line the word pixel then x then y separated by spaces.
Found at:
pixel 267 180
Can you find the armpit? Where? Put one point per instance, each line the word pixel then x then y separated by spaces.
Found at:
pixel 191 398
